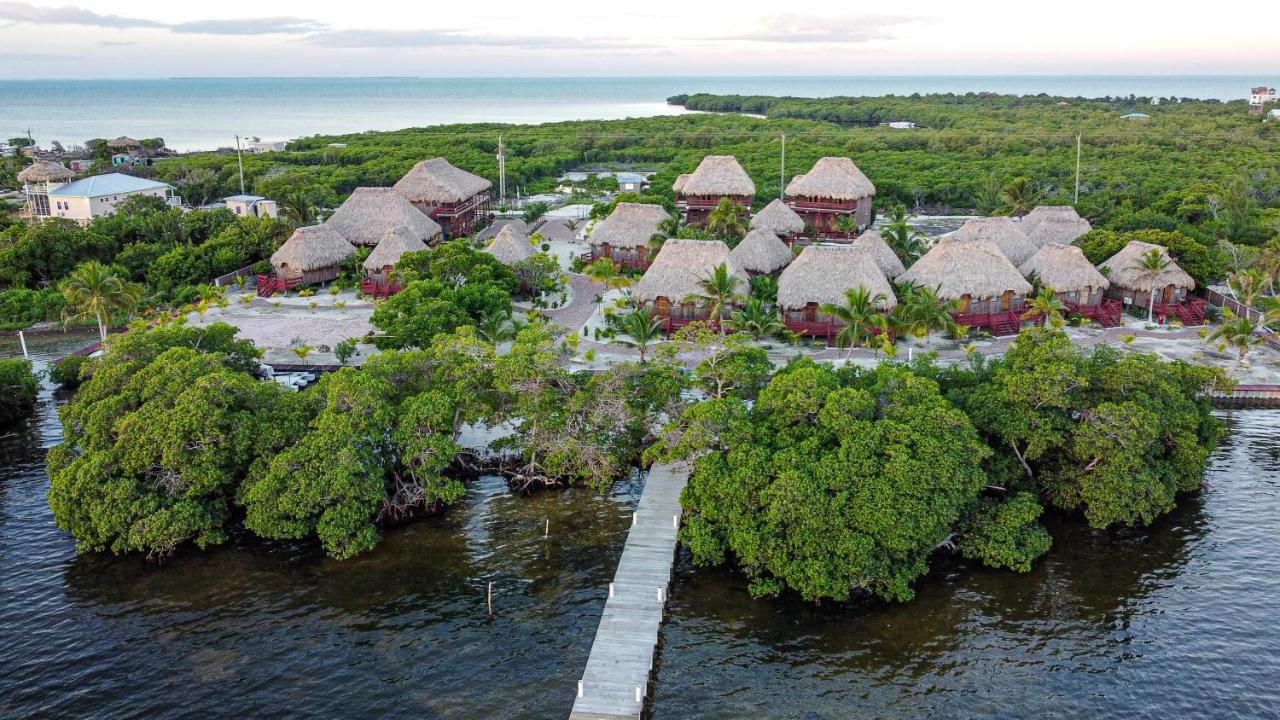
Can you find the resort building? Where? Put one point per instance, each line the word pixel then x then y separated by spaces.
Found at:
pixel 821 275
pixel 1074 281
pixel 394 243
pixel 675 275
pixel 717 178
pixel 556 230
pixel 971 270
pixel 510 246
pixel 1260 96
pixel 624 236
pixel 1053 224
pixel 1131 284
pixel 761 253
pixel 252 206
pixel 491 230
pixel 85 199
pixel 457 200
pixel 630 182
pixel 832 189
pixel 1001 231
pixel 369 213
pixel 124 143
pixel 873 243
pixel 778 217
pixel 313 254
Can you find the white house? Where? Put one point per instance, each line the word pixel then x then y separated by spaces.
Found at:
pixel 260 146
pixel 252 206
pixel 1261 95
pixel 84 200
pixel 630 182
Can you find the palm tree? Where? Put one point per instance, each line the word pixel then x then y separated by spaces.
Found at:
pixel 756 318
pixel 297 206
pixel 638 329
pixel 716 291
pixel 923 310
pixel 905 241
pixel 1151 263
pixel 1047 307
pixel 765 287
pixel 1247 285
pixel 1239 332
pixel 727 221
pixel 495 327
pixel 987 199
pixel 858 315
pixel 1269 261
pixel 606 271
pixel 845 225
pixel 95 290
pixel 1018 197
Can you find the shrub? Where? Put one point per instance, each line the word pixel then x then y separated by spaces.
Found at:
pixel 67 371
pixel 18 388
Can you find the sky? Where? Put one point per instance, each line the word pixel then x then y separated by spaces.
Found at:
pixel 572 38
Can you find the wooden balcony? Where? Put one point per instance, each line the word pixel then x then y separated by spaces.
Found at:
pixel 843 206
pixel 1006 322
pixel 375 289
pixel 633 263
pixel 269 285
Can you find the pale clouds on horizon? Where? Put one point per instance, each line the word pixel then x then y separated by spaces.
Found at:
pixel 144 38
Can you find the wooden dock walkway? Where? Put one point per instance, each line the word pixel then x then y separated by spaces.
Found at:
pixel 616 681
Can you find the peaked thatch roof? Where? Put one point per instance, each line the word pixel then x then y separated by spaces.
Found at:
pixel 313 247
pixel 886 259
pixel 958 266
pixel 435 181
pixel 1063 268
pixel 823 273
pixel 836 178
pixel 371 212
pixel 630 225
pixel 510 246
pixel 124 142
pixel 680 265
pixel 1003 232
pixel 1126 274
pixel 762 252
pixel 778 218
pixel 491 231
pixel 719 175
pixel 678 186
pixel 45 171
pixel 394 243
pixel 1047 212
pixel 1054 227
pixel 556 229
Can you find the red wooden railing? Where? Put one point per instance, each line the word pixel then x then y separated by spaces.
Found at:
pixel 1006 322
pixel 269 285
pixel 635 263
pixel 806 204
pixel 375 289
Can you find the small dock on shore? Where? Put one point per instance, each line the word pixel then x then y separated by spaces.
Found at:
pixel 615 683
pixel 1247 396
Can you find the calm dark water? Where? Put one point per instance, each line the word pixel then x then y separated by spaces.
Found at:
pixel 1181 621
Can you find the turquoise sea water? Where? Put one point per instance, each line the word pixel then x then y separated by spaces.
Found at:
pixel 207 113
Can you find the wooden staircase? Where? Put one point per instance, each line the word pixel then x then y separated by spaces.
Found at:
pixel 1109 313
pixel 1005 323
pixel 1190 312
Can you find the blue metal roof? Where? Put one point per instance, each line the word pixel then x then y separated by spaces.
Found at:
pixel 630 177
pixel 245 198
pixel 109 184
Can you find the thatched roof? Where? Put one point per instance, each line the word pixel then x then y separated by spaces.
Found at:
pixel 958 266
pixel 836 178
pixel 1003 232
pixel 778 218
pixel 510 246
pixel 313 247
pixel 762 252
pixel 435 181
pixel 678 186
pixel 394 243
pixel 630 225
pixel 45 171
pixel 1061 228
pixel 491 231
pixel 371 212
pixel 1125 273
pixel 556 229
pixel 1063 268
pixel 823 273
pixel 886 259
pixel 1047 212
pixel 680 265
pixel 124 142
pixel 719 175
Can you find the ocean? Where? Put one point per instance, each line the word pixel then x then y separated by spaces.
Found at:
pixel 199 114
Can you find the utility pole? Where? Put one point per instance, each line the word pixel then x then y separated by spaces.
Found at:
pixel 502 173
pixel 240 161
pixel 1077 197
pixel 782 170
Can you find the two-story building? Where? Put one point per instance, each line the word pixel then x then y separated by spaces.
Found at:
pixel 52 194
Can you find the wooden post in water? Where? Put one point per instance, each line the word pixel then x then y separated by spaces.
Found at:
pixel 490 598
pixel 546 533
pixel 23 339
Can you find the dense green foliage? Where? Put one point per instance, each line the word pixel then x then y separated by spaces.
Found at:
pixel 18 388
pixel 66 372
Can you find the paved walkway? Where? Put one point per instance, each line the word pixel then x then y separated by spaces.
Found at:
pixel 615 683
pixel 581 305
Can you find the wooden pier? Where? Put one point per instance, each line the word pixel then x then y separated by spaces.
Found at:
pixel 616 681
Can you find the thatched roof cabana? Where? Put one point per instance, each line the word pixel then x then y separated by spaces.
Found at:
pixel 436 182
pixel 680 265
pixel 556 230
pixel 1053 224
pixel 45 171
pixel 510 246
pixel 834 178
pixel 823 273
pixel 886 259
pixel 1124 271
pixel 394 243
pixel 1063 268
pixel 371 212
pixel 778 218
pixel 517 225
pixel 1003 232
pixel 975 267
pixel 678 186
pixel 124 142
pixel 313 247
pixel 762 252
pixel 630 225
pixel 719 175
